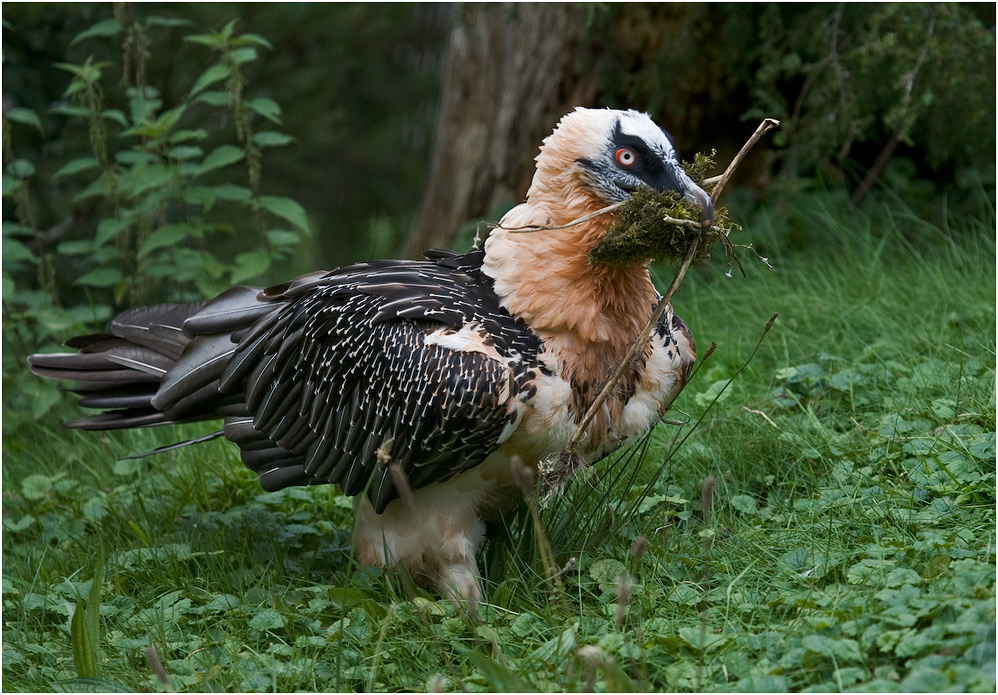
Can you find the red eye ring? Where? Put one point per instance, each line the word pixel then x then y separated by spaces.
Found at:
pixel 625 157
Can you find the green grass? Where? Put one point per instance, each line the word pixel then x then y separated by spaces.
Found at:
pixel 848 541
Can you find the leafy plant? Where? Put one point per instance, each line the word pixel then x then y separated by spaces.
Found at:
pixel 158 190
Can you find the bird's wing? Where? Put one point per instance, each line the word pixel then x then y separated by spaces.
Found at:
pixel 411 363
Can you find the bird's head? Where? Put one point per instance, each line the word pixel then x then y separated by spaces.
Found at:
pixel 597 157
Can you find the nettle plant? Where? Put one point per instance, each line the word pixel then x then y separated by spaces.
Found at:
pixel 173 193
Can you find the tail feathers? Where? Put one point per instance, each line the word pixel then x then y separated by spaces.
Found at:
pixel 157 364
pixel 160 327
pixel 120 420
pixel 200 366
pixel 235 308
pixel 102 356
pixel 130 396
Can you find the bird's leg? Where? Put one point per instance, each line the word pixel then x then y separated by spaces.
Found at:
pixel 457 576
pixel 436 537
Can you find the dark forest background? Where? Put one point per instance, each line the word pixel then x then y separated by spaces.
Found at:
pixel 159 151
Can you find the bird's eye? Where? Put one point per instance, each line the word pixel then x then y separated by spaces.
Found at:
pixel 625 156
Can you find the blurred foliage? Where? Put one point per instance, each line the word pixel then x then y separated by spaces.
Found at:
pixel 842 78
pixel 358 83
pixel 148 157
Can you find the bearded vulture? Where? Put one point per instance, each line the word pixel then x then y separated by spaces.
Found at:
pixel 448 367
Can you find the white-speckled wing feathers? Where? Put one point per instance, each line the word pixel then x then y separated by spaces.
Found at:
pixel 405 362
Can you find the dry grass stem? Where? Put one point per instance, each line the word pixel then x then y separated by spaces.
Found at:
pixel 636 348
pixel 707 494
pixel 759 412
pixel 570 452
pixel 545 228
pixel 764 127
pixel 156 665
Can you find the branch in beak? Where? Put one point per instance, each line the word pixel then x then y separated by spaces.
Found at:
pixel 696 195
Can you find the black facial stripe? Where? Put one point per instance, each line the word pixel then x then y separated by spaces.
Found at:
pixel 649 167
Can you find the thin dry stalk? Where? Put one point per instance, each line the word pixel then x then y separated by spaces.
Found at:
pixel 767 125
pixel 525 478
pixel 545 228
pixel 636 348
pixel 759 412
pixel 570 450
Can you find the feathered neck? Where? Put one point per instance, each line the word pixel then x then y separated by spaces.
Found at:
pixel 587 315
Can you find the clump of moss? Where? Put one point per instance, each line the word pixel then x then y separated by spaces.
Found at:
pixel 641 234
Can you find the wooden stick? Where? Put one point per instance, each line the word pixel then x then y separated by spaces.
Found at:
pixel 636 348
pixel 543 228
pixel 764 127
pixel 638 345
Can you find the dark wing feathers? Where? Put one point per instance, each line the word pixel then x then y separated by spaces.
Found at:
pixel 324 379
pixel 349 359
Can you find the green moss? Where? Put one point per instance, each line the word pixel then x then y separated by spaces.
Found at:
pixel 640 234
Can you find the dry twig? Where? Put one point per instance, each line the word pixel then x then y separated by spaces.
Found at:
pixel 546 228
pixel 569 460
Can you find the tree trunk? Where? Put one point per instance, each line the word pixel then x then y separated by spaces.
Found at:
pixel 509 77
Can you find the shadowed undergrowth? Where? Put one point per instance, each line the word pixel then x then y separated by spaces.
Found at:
pixel 828 525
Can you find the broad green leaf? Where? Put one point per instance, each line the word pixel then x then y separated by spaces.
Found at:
pixel 249 265
pixel 213 98
pixel 135 158
pixel 103 28
pixel 150 177
pixel 117 116
pixel 231 191
pixel 743 503
pixel 716 390
pixel 163 124
pixel 70 110
pixel 19 525
pixel 35 486
pixel 607 573
pixel 14 251
pixel 94 508
pixel 157 21
pixel 12 228
pixel 282 238
pixel 75 166
pixel 272 138
pixel 209 77
pixel 10 184
pixel 251 39
pixel 108 228
pixel 100 277
pixel 839 649
pixel 185 152
pixel 267 619
pixel 287 209
pixel 220 157
pixel 701 638
pixel 21 168
pixel 268 108
pixel 24 115
pixel 167 235
pixel 222 602
pixel 186 134
pixel 243 55
pixel 199 195
pixel 211 40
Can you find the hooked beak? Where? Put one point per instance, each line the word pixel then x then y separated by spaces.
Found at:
pixel 697 196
